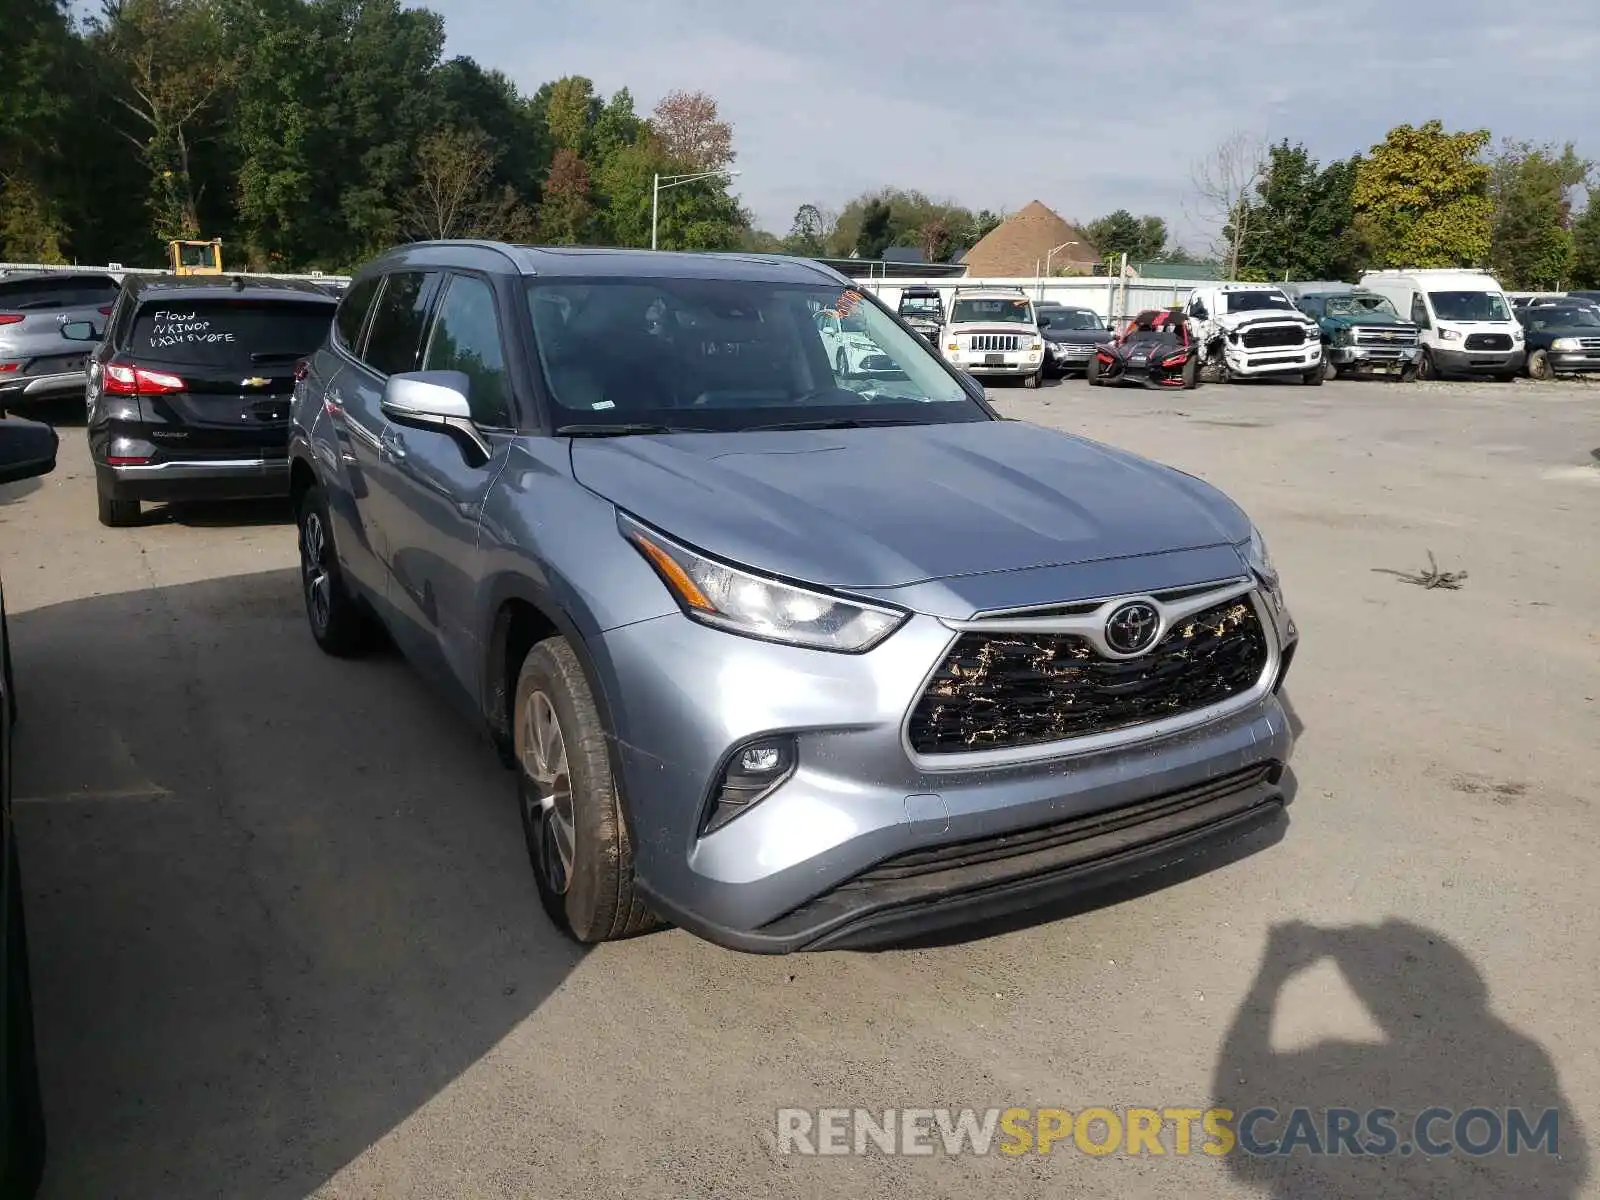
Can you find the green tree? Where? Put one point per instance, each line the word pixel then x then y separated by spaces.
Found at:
pixel 1142 239
pixel 570 111
pixel 1301 225
pixel 1586 243
pixel 1531 244
pixel 808 234
pixel 876 229
pixel 1422 197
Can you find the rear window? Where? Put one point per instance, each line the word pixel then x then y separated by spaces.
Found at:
pixel 67 291
pixel 225 332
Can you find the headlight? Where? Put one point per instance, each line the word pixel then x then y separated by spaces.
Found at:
pixel 1260 562
pixel 1449 335
pixel 741 602
pixel 1566 344
pixel 1343 336
pixel 1516 335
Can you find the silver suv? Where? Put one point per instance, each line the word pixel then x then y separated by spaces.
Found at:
pixel 793 656
pixel 36 361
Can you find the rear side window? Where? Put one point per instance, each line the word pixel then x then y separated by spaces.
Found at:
pixel 228 332
pixel 394 343
pixel 66 291
pixel 466 337
pixel 353 312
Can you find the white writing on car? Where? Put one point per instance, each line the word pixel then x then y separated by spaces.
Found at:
pixel 184 329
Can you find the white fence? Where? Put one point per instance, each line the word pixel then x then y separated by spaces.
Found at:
pixel 1108 296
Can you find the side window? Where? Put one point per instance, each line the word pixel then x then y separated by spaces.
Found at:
pixel 353 313
pixel 1419 311
pixel 121 319
pixel 466 337
pixel 1197 309
pixel 394 341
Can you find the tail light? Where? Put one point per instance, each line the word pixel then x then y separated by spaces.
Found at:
pixel 302 368
pixel 123 380
pixel 105 310
pixel 7 368
pixel 10 318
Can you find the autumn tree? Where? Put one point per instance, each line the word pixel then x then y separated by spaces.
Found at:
pixel 566 213
pixel 690 132
pixel 1422 197
pixel 571 109
pixel 1223 182
pixel 1531 238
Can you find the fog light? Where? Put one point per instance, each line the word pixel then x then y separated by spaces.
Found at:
pixel 751 773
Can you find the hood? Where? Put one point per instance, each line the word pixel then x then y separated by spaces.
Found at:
pixel 1340 321
pixel 1276 316
pixel 890 506
pixel 1017 327
pixel 1079 337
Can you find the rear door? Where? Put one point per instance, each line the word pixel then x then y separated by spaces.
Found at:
pixel 32 311
pixel 215 375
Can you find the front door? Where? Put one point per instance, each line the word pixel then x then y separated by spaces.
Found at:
pixel 445 478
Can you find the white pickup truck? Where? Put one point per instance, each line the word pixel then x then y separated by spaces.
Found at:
pixel 994 331
pixel 1251 330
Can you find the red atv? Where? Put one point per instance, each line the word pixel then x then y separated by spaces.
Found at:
pixel 1156 350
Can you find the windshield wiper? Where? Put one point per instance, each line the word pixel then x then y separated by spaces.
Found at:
pixel 624 429
pixel 835 423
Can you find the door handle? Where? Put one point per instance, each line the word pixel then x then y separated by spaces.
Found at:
pixel 391 445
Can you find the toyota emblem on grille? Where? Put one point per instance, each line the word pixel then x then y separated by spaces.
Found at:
pixel 1131 628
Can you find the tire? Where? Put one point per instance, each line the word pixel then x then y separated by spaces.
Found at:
pixel 1091 373
pixel 1539 365
pixel 1032 381
pixel 580 852
pixel 1312 378
pixel 339 624
pixel 1425 366
pixel 117 514
pixel 1191 373
pixel 841 365
pixel 1329 371
pixel 1408 373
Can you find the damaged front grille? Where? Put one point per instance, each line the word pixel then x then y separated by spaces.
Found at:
pixel 997 691
pixel 1383 335
pixel 1275 335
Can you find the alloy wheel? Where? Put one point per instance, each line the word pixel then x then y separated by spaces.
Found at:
pixel 547 792
pixel 314 574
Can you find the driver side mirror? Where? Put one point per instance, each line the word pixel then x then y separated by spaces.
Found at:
pixel 436 401
pixel 79 331
pixel 1199 313
pixel 1044 322
pixel 27 449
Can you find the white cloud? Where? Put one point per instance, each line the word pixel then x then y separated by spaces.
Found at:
pixel 1083 106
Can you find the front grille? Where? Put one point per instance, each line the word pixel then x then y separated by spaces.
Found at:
pixel 1488 341
pixel 1275 335
pixel 1381 335
pixel 993 341
pixel 1074 350
pixel 1589 343
pixel 998 691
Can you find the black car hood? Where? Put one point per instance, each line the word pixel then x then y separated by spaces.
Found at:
pixel 1079 337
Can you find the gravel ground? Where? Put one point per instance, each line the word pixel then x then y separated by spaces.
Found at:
pixel 285 941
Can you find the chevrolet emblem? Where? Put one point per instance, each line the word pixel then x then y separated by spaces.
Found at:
pixel 254 381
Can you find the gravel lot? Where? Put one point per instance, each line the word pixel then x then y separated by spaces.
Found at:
pixel 285 940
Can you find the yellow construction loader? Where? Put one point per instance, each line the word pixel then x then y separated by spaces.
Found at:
pixel 195 258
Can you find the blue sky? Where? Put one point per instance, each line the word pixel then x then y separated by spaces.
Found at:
pixel 1079 105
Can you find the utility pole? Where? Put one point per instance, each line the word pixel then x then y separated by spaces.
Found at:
pixel 662 182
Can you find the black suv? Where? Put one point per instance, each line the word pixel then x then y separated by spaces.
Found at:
pixel 188 394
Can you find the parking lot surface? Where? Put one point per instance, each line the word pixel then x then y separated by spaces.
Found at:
pixel 286 942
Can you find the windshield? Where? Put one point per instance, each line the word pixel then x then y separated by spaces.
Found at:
pixel 229 332
pixel 1469 306
pixel 1146 338
pixel 1072 318
pixel 1360 306
pixel 1253 301
pixel 726 354
pixel 1565 318
pixel 920 306
pixel 1006 310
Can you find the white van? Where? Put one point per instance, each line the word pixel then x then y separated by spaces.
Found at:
pixel 1468 324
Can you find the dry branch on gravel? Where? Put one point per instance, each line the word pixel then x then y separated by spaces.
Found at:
pixel 1430 578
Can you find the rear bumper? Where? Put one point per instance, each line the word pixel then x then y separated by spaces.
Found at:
pixel 41 387
pixel 201 479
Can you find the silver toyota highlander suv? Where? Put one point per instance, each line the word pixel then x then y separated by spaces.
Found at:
pixel 791 657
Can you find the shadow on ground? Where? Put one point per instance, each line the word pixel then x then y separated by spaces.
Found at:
pixel 276 902
pixel 1433 1042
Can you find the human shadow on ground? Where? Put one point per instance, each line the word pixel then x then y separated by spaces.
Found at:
pixel 277 902
pixel 1435 1045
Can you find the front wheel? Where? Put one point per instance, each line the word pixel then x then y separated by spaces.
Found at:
pixel 1312 378
pixel 1092 371
pixel 1032 381
pixel 577 840
pixel 1539 365
pixel 1408 373
pixel 1426 368
pixel 1191 373
pixel 1329 371
pixel 339 625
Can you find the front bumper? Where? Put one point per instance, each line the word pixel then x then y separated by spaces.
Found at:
pixel 1574 361
pixel 1065 356
pixel 865 840
pixel 1478 362
pixel 1272 360
pixel 1375 358
pixel 42 387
